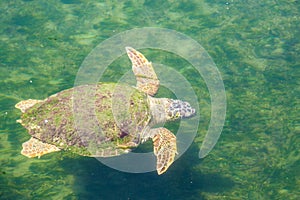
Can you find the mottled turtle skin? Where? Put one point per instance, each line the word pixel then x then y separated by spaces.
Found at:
pixel 105 119
pixel 52 121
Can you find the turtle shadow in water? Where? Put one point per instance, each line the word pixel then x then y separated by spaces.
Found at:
pixel 94 180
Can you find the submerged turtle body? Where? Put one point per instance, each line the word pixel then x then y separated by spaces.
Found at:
pixel 105 119
pixel 52 120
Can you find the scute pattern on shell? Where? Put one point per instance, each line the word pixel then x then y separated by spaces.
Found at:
pixel 118 119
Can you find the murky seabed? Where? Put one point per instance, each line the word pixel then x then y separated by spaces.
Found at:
pixel 255 45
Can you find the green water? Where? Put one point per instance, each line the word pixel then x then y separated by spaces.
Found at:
pixel 255 45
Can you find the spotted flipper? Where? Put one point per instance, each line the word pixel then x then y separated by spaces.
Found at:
pixel 165 148
pixel 24 105
pixel 36 148
pixel 146 77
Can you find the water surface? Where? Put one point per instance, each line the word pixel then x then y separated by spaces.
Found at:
pixel 255 46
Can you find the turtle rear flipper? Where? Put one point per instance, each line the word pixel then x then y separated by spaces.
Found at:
pixel 36 148
pixel 146 77
pixel 165 148
pixel 24 105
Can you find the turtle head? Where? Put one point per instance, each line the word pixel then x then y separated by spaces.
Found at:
pixel 176 109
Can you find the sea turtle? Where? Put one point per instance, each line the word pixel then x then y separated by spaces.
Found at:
pixel 124 115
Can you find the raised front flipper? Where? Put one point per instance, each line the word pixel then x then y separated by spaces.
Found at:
pixel 146 77
pixel 165 148
pixel 36 148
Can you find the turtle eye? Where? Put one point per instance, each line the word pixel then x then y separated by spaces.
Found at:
pixel 173 115
pixel 177 115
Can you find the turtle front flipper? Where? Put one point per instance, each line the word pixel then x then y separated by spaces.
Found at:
pixel 36 148
pixel 146 77
pixel 165 148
